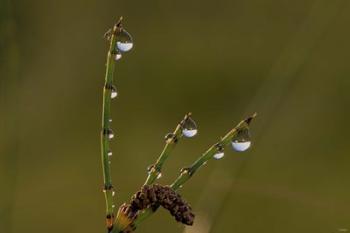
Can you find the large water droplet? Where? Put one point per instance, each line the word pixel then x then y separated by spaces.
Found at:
pixel 110 153
pixel 189 132
pixel 189 128
pixel 124 41
pixel 159 175
pixel 241 142
pixel 219 155
pixel 241 146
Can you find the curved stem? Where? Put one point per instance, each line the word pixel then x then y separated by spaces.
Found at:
pixel 155 170
pixel 106 130
pixel 187 173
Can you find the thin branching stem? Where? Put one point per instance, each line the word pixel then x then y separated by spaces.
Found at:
pixel 188 172
pixel 170 141
pixel 106 127
pixel 155 170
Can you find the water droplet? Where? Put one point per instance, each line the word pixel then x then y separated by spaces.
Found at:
pixel 169 136
pixel 110 120
pixel 219 155
pixel 180 186
pixel 189 128
pixel 114 92
pixel 117 56
pixel 110 134
pixel 150 168
pixel 241 142
pixel 159 175
pixel 124 41
pixel 113 206
pixel 241 146
pixel 189 132
pixel 110 153
pixel 113 193
pixel 185 170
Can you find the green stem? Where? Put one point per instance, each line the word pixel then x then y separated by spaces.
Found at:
pixel 155 170
pixel 171 141
pixel 106 116
pixel 187 173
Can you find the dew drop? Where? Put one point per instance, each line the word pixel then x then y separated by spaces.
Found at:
pixel 109 153
pixel 242 142
pixel 110 134
pixel 169 136
pixel 189 132
pixel 150 168
pixel 110 120
pixel 189 128
pixel 114 92
pixel 159 175
pixel 113 193
pixel 124 41
pixel 185 170
pixel 241 146
pixel 113 206
pixel 117 56
pixel 112 89
pixel 219 155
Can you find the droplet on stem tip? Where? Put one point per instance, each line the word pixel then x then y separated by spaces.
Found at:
pixel 189 127
pixel 242 141
pixel 124 41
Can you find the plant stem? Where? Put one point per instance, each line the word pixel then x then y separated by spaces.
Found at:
pixel 155 170
pixel 187 173
pixel 105 133
pixel 171 141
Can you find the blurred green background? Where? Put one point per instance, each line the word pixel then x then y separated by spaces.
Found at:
pixel 221 60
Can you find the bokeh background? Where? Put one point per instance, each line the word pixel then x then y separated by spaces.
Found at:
pixel 221 60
